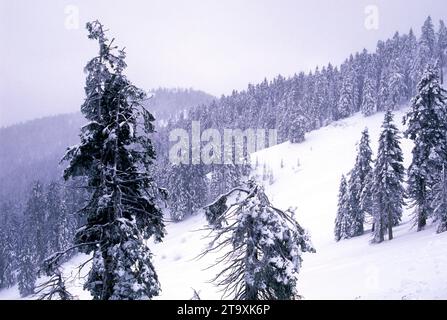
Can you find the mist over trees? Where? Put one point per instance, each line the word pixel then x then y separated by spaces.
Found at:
pixel 168 104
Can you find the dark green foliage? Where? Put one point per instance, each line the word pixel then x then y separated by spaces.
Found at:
pixel 115 155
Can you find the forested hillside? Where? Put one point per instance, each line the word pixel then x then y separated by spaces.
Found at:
pixel 367 82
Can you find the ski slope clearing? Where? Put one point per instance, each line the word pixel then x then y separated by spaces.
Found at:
pixel 306 176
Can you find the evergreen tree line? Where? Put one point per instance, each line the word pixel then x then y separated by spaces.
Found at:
pixel 365 82
pixel 28 234
pixel 377 189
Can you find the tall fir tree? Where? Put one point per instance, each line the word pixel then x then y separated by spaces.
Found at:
pixel 5 259
pixel 115 155
pixel 58 221
pixel 27 274
pixel 333 91
pixel 384 90
pixel 342 225
pixel 297 129
pixel 426 48
pixel 356 185
pixel 427 127
pixel 441 48
pixel 9 237
pixel 396 86
pixel 408 60
pixel 346 101
pixel 440 201
pixel 428 36
pixel 366 197
pixel 369 100
pixel 35 217
pixel 388 191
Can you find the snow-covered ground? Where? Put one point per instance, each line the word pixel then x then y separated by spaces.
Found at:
pixel 412 266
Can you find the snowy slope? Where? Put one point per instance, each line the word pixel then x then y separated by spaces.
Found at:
pixel 412 266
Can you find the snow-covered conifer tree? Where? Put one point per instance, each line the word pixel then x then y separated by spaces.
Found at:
pixel 427 127
pixel 35 217
pixel 366 197
pixel 408 55
pixel 9 246
pixel 342 226
pixel 396 87
pixel 388 190
pixel 4 257
pixel 263 245
pixel 345 104
pixel 369 100
pixel 441 48
pixel 356 184
pixel 383 92
pixel 57 224
pixel 115 155
pixel 440 201
pixel 27 264
pixel 297 129
pixel 426 49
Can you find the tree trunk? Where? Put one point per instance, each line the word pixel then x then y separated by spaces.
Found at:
pixel 422 214
pixel 442 68
pixel 442 226
pixel 381 229
pixel 422 220
pixel 107 284
pixel 250 291
pixel 390 225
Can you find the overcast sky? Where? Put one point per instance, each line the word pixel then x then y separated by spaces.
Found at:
pixel 211 45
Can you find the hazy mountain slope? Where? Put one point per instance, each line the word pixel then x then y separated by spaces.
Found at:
pixel 167 103
pixel 33 150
